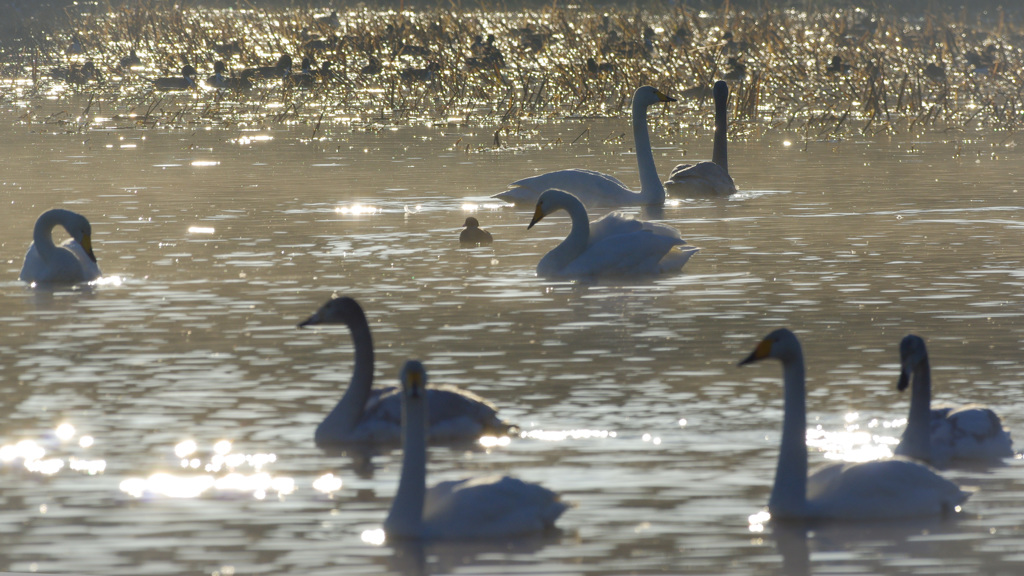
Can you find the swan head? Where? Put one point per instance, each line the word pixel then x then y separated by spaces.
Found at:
pixel 721 91
pixel 471 222
pixel 414 378
pixel 913 354
pixel 552 201
pixel 219 67
pixel 78 228
pixel 340 310
pixel 648 95
pixel 781 344
pixel 188 71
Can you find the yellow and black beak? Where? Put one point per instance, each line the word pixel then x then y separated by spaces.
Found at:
pixel 537 215
pixel 414 384
pixel 763 350
pixel 664 97
pixel 87 246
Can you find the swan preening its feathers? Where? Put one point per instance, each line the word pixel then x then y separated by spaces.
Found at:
pixel 944 435
pixel 373 415
pixel 474 508
pixel 708 178
pixel 895 488
pixel 611 246
pixel 594 189
pixel 71 262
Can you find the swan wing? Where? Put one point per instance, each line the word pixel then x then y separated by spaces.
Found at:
pixel 637 253
pixel 594 189
pixel 454 414
pixel 970 432
pixel 703 178
pixel 894 488
pixel 489 507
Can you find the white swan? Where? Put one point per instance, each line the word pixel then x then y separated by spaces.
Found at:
pixel 71 262
pixel 708 178
pixel 895 488
pixel 373 415
pixel 595 189
pixel 611 246
pixel 474 508
pixel 943 435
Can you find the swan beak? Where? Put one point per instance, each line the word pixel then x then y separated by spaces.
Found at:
pixel 414 384
pixel 87 246
pixel 537 215
pixel 311 321
pixel 763 350
pixel 664 97
pixel 906 370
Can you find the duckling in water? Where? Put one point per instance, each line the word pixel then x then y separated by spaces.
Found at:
pixel 183 82
pixel 474 235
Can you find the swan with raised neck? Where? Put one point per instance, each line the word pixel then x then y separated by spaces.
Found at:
pixel 708 178
pixel 894 488
pixel 944 435
pixel 596 189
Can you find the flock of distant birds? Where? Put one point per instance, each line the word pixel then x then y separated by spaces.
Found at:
pixel 614 245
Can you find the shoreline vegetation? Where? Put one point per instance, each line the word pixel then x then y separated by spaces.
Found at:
pixel 825 72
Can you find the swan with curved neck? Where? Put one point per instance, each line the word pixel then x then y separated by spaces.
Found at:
pixel 611 246
pixel 708 178
pixel 944 435
pixel 595 189
pixel 373 415
pixel 474 508
pixel 71 262
pixel 895 488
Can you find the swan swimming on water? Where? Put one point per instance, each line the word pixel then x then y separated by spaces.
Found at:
pixel 71 262
pixel 942 435
pixel 614 245
pixel 894 488
pixel 708 178
pixel 595 189
pixel 373 415
pixel 474 508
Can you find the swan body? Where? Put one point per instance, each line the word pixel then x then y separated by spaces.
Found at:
pixel 943 435
pixel 614 245
pixel 71 262
pixel 881 489
pixel 474 235
pixel 373 415
pixel 708 178
pixel 475 508
pixel 597 190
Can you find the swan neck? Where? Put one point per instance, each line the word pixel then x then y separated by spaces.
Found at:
pixel 42 233
pixel 346 414
pixel 720 154
pixel 916 441
pixel 574 244
pixel 406 516
pixel 789 494
pixel 651 188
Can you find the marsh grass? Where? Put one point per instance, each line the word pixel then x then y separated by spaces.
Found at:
pixel 883 84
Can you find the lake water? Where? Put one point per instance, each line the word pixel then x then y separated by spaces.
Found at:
pixel 162 421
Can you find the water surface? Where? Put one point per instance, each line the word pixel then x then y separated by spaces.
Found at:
pixel 216 243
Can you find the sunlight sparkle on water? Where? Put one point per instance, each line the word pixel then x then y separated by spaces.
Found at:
pixel 562 435
pixel 328 483
pixel 204 163
pixel 357 209
pixel 200 230
pixel 493 441
pixel 373 537
pixel 851 444
pixel 65 432
pixel 757 521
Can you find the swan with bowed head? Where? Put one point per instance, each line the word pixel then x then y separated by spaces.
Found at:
pixel 71 262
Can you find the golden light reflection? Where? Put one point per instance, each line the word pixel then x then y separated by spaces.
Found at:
pixel 358 209
pixel 247 140
pixel 472 207
pixel 374 537
pixel 254 481
pixel 204 163
pixel 200 230
pixel 562 435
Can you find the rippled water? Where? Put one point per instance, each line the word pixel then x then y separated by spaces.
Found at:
pixel 186 364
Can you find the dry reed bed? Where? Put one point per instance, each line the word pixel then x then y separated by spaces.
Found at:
pixel 883 84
